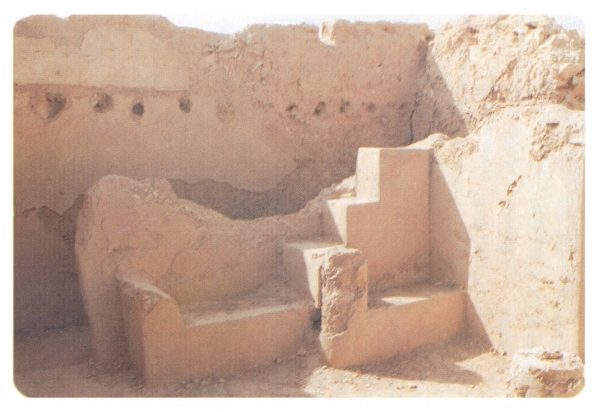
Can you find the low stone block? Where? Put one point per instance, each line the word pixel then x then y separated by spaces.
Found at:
pixel 542 373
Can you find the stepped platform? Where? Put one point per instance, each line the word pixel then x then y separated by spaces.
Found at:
pixel 363 268
pixel 396 322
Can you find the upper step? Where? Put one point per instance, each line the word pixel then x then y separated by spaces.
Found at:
pixel 335 220
pixel 389 217
pixel 383 174
pixel 368 173
pixel 303 262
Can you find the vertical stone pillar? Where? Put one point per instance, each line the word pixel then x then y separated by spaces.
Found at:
pixel 344 294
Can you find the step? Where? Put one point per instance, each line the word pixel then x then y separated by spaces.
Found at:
pixel 335 216
pixel 389 217
pixel 398 321
pixel 271 297
pixel 302 262
pixel 368 173
pixel 409 294
pixel 415 315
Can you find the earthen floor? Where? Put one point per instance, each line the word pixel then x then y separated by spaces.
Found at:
pixel 56 364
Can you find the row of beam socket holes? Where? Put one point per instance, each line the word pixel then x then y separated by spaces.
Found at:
pixel 54 103
pixel 102 102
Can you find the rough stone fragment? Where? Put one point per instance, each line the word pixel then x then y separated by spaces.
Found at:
pixel 344 280
pixel 481 64
pixel 540 372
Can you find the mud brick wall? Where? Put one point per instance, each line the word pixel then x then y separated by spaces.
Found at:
pixel 251 125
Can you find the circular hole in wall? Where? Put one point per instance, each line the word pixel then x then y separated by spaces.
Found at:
pixel 48 105
pixel 138 109
pixel 344 106
pixel 225 112
pixel 101 102
pixel 185 104
pixel 56 103
pixel 370 107
pixel 319 109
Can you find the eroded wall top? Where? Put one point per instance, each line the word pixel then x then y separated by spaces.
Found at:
pixel 99 51
pixel 481 64
pixel 260 105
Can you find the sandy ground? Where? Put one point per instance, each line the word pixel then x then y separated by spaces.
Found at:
pixel 56 364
